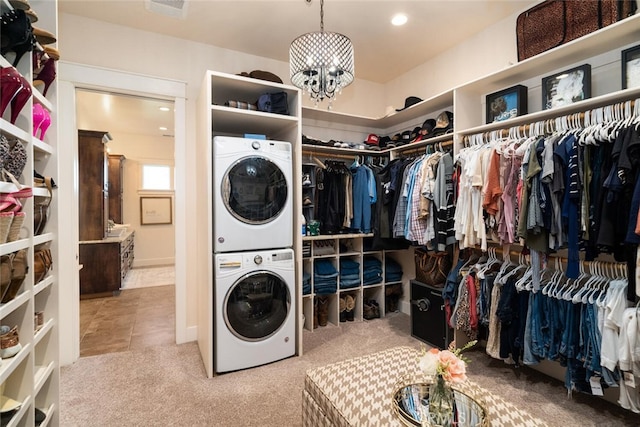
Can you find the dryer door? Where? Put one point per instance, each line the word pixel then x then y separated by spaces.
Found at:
pixel 254 190
pixel 257 305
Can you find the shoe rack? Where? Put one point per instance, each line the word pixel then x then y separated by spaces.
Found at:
pixel 319 303
pixel 29 374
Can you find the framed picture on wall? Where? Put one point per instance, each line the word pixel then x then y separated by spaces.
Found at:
pixel 566 87
pixel 506 104
pixel 631 67
pixel 155 210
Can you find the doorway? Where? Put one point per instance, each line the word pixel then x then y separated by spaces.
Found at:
pixel 138 153
pixel 76 77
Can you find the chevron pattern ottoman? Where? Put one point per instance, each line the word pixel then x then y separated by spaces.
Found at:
pixel 359 391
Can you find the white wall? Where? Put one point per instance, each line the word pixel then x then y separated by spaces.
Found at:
pixel 489 51
pixel 154 244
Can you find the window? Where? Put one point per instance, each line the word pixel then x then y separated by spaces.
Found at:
pixel 156 177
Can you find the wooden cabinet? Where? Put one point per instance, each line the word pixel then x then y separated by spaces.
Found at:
pixel 105 265
pixel 116 170
pixel 92 185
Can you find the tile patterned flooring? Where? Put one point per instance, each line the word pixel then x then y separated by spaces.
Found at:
pixel 136 318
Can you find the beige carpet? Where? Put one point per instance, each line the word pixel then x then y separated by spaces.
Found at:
pixel 166 386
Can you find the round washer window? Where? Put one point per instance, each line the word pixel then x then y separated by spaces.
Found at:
pixel 254 190
pixel 257 305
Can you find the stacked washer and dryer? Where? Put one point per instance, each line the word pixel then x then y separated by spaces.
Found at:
pixel 254 265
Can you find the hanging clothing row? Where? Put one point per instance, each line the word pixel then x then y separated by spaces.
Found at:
pixel 417 199
pixel 568 183
pixel 345 195
pixel 580 323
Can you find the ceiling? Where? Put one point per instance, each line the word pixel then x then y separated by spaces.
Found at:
pixel 267 28
pixel 119 114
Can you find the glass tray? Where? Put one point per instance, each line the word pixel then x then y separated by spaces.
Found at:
pixel 411 404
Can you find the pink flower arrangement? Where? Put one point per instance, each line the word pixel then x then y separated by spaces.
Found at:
pixel 447 363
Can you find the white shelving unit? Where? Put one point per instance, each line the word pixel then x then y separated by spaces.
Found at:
pixel 32 376
pixel 353 247
pixel 216 119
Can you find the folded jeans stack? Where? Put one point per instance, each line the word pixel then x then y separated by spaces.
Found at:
pixel 349 274
pixel 306 283
pixel 372 271
pixel 392 270
pixel 325 277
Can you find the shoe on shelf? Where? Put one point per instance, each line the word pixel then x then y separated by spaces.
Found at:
pixel 343 310
pixel 323 310
pixel 307 201
pixel 306 180
pixel 350 305
pixel 9 342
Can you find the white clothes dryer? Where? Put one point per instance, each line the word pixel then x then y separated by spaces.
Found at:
pixel 254 307
pixel 253 194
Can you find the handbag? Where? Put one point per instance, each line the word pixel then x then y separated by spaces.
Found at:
pixel 41 205
pixel 42 263
pixel 432 268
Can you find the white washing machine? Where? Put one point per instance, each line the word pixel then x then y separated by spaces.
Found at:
pixel 254 308
pixel 252 200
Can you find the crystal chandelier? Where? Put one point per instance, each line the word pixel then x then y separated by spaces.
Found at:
pixel 321 63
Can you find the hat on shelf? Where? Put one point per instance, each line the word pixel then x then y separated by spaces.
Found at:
pixel 409 101
pixel 427 127
pixel 415 134
pixel 405 137
pixel 444 123
pixel 372 139
pixel 384 141
pixel 261 75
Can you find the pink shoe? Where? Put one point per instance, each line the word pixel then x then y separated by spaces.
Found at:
pixel 46 122
pixel 38 117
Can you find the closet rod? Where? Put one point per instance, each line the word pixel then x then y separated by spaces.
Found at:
pixel 313 153
pixel 561 258
pixel 524 129
pixel 421 148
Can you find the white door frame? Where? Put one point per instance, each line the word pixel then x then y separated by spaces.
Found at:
pixel 77 76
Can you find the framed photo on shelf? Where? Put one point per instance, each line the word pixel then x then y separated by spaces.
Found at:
pixel 155 210
pixel 631 67
pixel 566 87
pixel 506 104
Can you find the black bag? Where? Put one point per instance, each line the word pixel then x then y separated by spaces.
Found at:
pixel 556 22
pixel 276 103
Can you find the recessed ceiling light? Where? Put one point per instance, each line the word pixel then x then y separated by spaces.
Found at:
pixel 164 109
pixel 399 19
pixel 162 128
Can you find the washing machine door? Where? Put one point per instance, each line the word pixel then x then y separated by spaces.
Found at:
pixel 254 190
pixel 257 305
